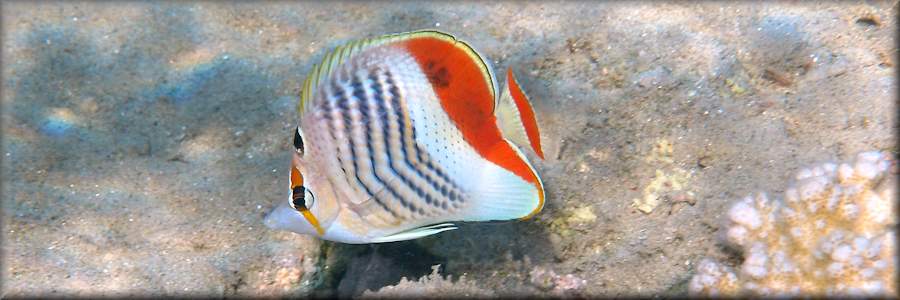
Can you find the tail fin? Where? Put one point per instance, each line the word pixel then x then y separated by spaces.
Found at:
pixel 516 117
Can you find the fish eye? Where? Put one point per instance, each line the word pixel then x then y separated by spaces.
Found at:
pixel 301 198
pixel 310 199
pixel 298 141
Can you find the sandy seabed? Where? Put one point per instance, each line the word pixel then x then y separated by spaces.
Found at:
pixel 143 143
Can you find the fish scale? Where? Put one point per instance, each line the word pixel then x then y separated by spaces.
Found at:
pixel 391 137
pixel 348 107
pixel 404 186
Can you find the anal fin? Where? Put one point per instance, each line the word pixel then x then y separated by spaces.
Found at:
pixel 516 117
pixel 415 233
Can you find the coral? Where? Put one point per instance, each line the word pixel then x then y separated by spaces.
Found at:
pixel 282 274
pixel 573 220
pixel 282 280
pixel 669 183
pixel 832 234
pixel 665 185
pixel 557 284
pixel 431 286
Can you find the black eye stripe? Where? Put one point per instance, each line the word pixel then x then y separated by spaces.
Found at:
pixel 298 141
pixel 298 197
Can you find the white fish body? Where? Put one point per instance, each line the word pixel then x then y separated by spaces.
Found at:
pixel 402 134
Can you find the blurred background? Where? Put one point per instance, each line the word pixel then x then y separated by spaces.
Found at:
pixel 143 143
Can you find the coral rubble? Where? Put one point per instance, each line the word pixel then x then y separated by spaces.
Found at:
pixel 559 285
pixel 431 286
pixel 832 234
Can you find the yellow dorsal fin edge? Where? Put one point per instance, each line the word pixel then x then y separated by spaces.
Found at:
pixel 334 58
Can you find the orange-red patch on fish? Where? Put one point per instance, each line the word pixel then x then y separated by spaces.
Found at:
pixel 526 113
pixel 467 99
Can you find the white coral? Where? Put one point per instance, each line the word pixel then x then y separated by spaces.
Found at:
pixel 832 235
pixel 431 286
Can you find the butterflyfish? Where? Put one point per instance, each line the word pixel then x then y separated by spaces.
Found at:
pixel 402 135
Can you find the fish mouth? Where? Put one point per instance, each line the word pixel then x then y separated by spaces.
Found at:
pixel 282 217
pixel 273 222
pixel 285 217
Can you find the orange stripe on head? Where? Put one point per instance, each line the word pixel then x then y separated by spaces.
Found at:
pixel 526 113
pixel 296 178
pixel 467 96
pixel 296 182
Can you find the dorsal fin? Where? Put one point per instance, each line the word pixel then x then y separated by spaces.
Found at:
pixel 330 61
pixel 420 44
pixel 516 117
pixel 340 54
